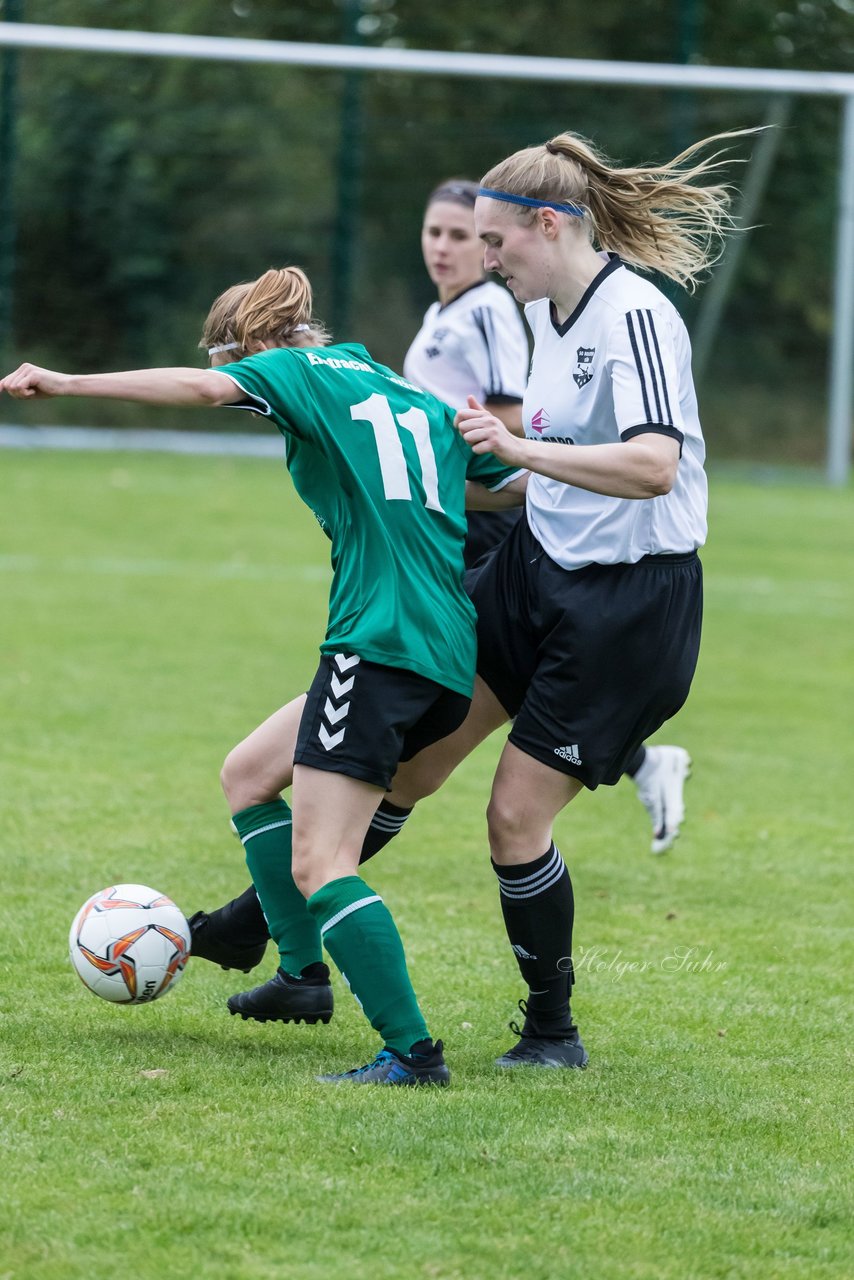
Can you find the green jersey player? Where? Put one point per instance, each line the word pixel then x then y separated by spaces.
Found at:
pixel 385 471
pixel 399 523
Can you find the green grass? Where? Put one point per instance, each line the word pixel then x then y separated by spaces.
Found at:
pixel 153 610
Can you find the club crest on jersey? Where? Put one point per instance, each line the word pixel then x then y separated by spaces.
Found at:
pixel 584 366
pixel 540 422
pixel 438 336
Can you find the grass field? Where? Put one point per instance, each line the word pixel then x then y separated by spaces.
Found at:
pixel 153 609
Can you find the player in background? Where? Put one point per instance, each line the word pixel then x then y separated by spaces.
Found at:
pixel 472 341
pixel 385 472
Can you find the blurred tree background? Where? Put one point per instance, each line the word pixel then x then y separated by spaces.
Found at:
pixel 142 186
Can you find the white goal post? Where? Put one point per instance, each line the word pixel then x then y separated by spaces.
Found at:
pixel 561 70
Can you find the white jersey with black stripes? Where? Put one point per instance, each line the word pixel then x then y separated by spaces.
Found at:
pixel 474 345
pixel 619 366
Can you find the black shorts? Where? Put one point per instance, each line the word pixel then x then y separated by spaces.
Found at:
pixel 362 719
pixel 484 531
pixel 590 661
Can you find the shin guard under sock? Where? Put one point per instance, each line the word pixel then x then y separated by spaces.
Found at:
pixel 362 938
pixel 265 830
pixel 538 908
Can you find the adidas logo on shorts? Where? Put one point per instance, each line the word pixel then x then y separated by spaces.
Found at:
pixel 569 753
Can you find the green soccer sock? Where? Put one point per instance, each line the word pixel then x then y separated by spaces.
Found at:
pixel 360 935
pixel 265 830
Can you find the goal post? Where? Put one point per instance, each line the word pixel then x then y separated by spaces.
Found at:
pixel 762 81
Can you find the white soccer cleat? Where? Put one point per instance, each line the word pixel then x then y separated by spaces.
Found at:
pixel 660 782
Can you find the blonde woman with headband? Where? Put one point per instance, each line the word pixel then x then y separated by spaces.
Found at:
pixel 385 472
pixel 589 613
pixel 473 342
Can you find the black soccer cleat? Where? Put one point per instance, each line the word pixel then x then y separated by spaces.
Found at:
pixel 535 1049
pixel 287 999
pixel 391 1067
pixel 224 946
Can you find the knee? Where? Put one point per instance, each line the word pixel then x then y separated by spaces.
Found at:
pixel 518 832
pixel 304 867
pixel 235 782
pixel 505 825
pixel 303 878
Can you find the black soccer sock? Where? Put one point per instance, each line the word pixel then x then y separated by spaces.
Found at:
pixel 386 823
pixel 635 762
pixel 539 908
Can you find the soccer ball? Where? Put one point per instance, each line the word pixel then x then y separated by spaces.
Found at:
pixel 129 944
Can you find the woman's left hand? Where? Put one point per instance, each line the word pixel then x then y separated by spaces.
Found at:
pixel 484 433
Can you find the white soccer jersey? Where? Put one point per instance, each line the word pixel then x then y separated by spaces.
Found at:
pixel 619 366
pixel 475 345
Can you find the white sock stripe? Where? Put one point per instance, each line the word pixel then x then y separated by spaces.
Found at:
pixel 519 882
pixel 346 911
pixel 259 831
pixel 541 888
pixel 382 822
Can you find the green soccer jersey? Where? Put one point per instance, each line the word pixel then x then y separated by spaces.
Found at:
pixel 383 468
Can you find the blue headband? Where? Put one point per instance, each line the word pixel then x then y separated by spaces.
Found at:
pixel 571 209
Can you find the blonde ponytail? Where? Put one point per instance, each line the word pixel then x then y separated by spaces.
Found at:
pixel 653 216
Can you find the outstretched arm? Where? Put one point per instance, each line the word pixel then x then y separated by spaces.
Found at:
pixel 144 386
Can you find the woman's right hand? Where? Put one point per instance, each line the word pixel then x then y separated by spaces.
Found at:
pixel 29 382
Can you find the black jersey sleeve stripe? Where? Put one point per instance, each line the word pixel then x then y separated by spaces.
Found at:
pixel 255 404
pixel 483 320
pixel 645 319
pixel 654 429
pixel 660 362
pixel 630 324
pixel 492 344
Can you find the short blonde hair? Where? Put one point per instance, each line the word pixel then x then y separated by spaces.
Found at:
pixel 653 216
pixel 268 309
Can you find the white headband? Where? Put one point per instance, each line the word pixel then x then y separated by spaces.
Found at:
pixel 235 346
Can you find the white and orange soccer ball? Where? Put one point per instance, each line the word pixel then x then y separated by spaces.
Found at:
pixel 129 944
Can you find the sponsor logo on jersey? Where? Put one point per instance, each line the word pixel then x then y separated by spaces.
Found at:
pixel 521 952
pixel 569 753
pixel 359 366
pixel 584 366
pixel 336 362
pixel 540 422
